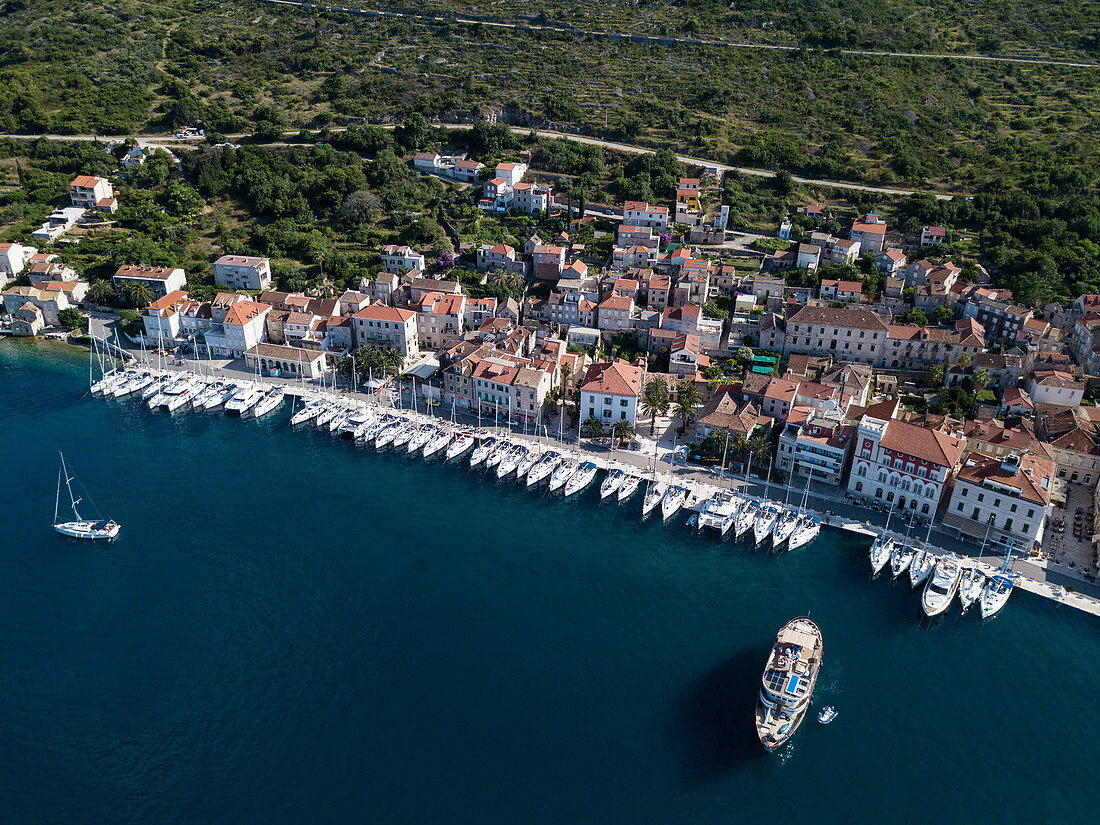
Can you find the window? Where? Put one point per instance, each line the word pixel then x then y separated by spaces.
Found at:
pixel 1012 509
pixel 924 509
pixel 859 486
pixel 1031 514
pixel 965 491
pixel 975 515
pixel 960 507
pixel 1008 524
pixel 981 496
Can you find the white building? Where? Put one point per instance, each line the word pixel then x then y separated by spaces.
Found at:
pixel 161 279
pixel 511 173
pixel 1002 498
pixel 640 213
pixel 870 232
pixel 815 442
pixel 13 258
pixel 92 192
pixel 610 391
pixel 400 259
pixel 242 272
pixel 1055 387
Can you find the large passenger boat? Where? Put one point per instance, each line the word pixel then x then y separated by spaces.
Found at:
pixel 788 684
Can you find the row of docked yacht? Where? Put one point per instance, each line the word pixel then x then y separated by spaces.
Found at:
pixel 178 390
pixel 783 526
pixel 943 578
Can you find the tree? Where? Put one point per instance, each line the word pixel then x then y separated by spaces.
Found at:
pixel 182 200
pixel 965 360
pixel 72 318
pixel 760 447
pixel 935 375
pixel 655 400
pixel 687 399
pixel 414 133
pixel 101 291
pixel 140 294
pixel 362 207
pixel 980 380
pixel 622 431
pixel 369 362
pixel 593 427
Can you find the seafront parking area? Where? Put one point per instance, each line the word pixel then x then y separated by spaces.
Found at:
pixel 829 505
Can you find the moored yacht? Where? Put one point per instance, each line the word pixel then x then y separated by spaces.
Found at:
pixel 562 474
pixel 156 385
pixel 109 380
pixel 177 395
pixel 510 460
pixel 784 526
pixel 997 590
pixel 157 398
pixel 268 402
pixel 941 588
pixel 138 381
pixel 805 531
pixel 581 478
pixel 766 520
pixel 497 453
pixel 746 518
pixel 215 389
pixel 462 443
pixel 419 441
pixel 611 483
pixel 359 416
pixel 654 494
pixel 439 442
pixel 79 528
pixel 327 413
pixel 310 411
pixel 901 556
pixel 879 553
pixel 672 502
pixel 544 468
pixel 386 436
pixel 629 486
pixel 482 450
pixel 718 512
pixel 788 683
pixel 404 435
pixel 529 460
pixel 971 585
pixel 920 567
pixel 244 399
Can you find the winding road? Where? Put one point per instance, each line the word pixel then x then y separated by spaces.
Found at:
pixel 663 40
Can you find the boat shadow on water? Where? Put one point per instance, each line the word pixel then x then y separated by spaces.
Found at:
pixel 715 719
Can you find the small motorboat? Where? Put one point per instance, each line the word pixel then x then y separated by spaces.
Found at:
pixel 827 715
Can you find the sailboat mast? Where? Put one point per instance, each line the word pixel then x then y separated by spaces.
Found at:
pixel 57 496
pixel 68 485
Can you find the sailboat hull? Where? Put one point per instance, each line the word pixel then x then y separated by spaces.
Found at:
pixel 88 530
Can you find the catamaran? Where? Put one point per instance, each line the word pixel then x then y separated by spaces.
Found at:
pixel 629 486
pixel 654 494
pixel 176 395
pixel 941 588
pixel 462 443
pixel 581 478
pixel 971 585
pixel 268 402
pixel 544 468
pixel 995 595
pixel 481 452
pixel 245 398
pixel 672 502
pixel 611 483
pixel 718 512
pixel 562 474
pixel 157 398
pixel 439 442
pixel 79 528
pixel 359 416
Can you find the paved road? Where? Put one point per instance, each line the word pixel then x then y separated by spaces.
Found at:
pixel 647 39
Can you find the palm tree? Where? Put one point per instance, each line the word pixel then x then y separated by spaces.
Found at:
pixel 622 430
pixel 965 360
pixel 981 380
pixel 760 447
pixel 739 443
pixel 593 427
pixel 936 375
pixel 687 399
pixel 101 291
pixel 655 400
pixel 139 293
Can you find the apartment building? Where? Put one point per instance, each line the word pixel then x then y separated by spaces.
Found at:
pixel 1002 499
pixel 383 327
pixel 610 391
pixel 243 272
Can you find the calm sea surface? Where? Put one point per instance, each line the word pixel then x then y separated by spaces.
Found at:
pixel 291 630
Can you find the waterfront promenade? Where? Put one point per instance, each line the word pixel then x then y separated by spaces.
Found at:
pixel 829 504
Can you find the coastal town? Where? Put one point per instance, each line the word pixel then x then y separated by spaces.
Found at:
pixel 911 384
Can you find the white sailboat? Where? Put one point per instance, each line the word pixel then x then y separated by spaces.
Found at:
pixel 244 399
pixel 359 416
pixel 529 460
pixel 482 450
pixel 419 441
pixel 581 478
pixel 921 567
pixel 404 435
pixel 562 474
pixel 268 402
pixel 388 433
pixel 155 386
pixel 882 547
pixel 439 443
pixel 901 556
pixel 462 443
pixel 718 512
pixel 941 587
pixel 310 410
pixel 629 486
pixel 765 522
pixel 611 483
pixel 497 453
pixel 746 518
pixel 79 527
pixel 995 595
pixel 178 394
pixel 672 502
pixel 544 468
pixel 654 494
pixel 510 461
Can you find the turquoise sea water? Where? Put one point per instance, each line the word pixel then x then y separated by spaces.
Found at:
pixel 292 629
